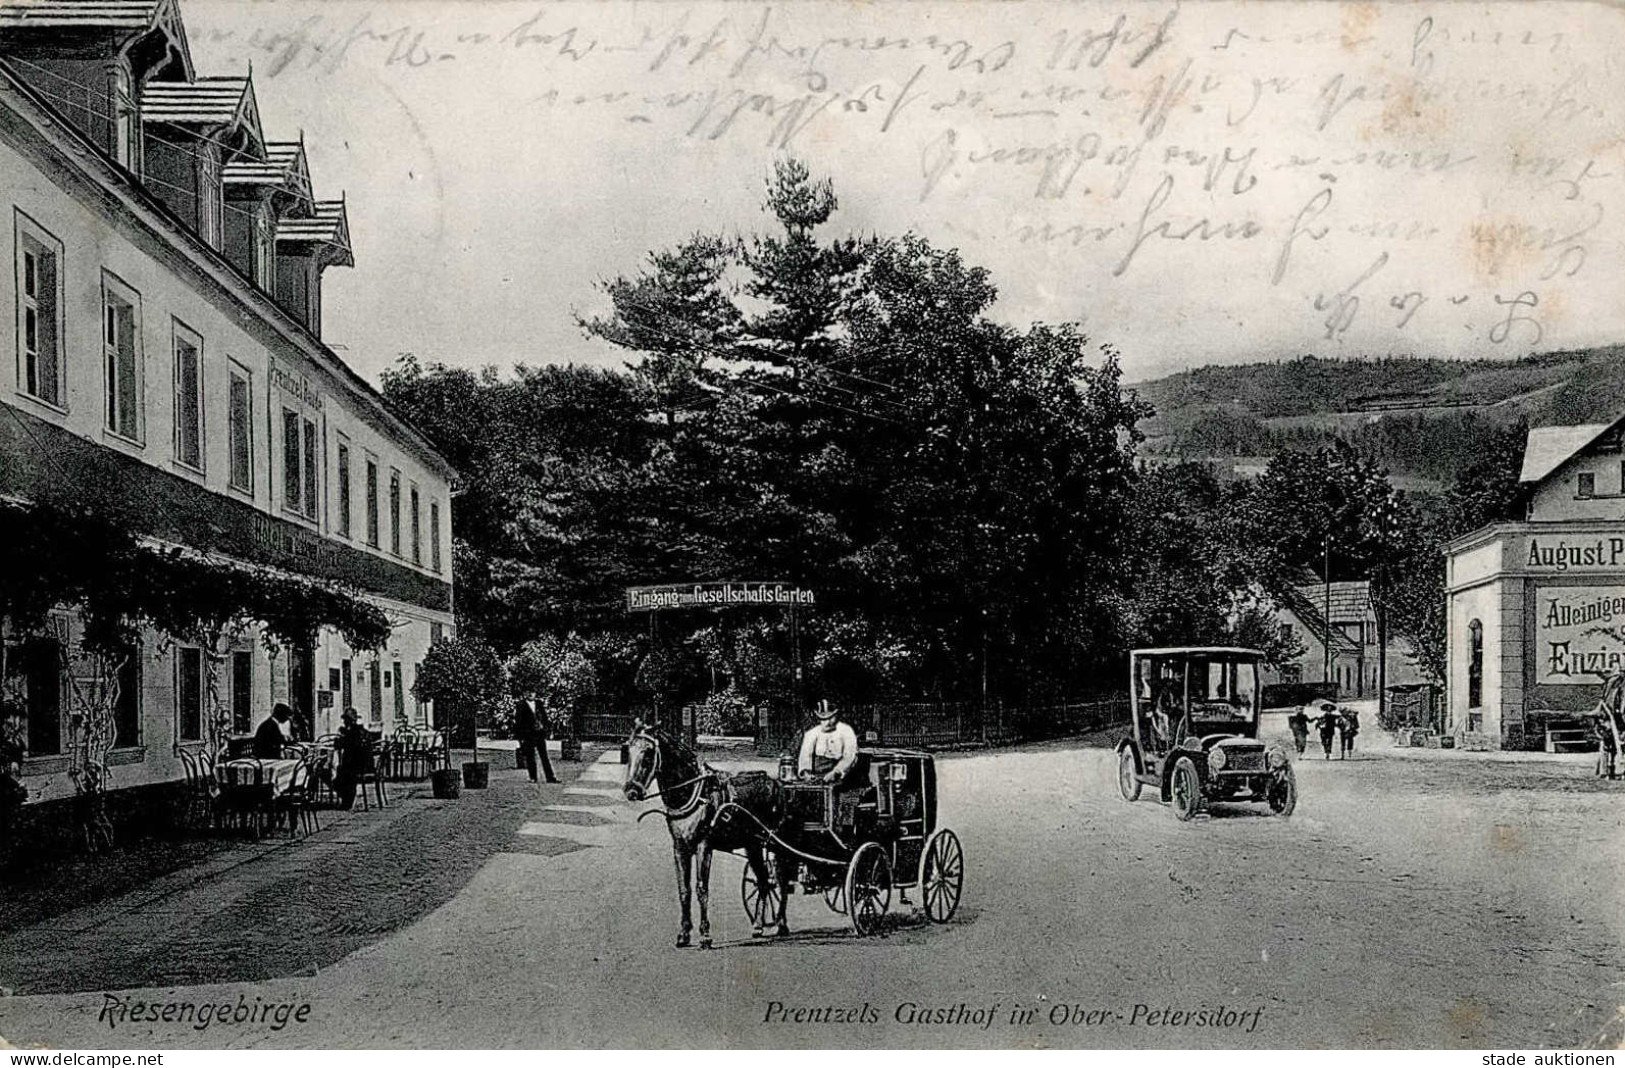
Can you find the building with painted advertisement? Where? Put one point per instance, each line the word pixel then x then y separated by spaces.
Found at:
pixel 163 324
pixel 1536 609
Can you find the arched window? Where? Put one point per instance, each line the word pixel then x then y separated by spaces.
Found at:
pixel 1475 664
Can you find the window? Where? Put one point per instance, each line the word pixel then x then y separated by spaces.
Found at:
pixel 344 488
pixel 242 692
pixel 210 200
pixel 39 309
pixel 1475 664
pixel 264 249
pixel 36 664
pixel 417 537
pixel 1587 485
pixel 298 464
pixel 375 691
pixel 395 512
pixel 372 503
pixel 311 497
pixel 1286 634
pixel 242 430
pixel 121 333
pixel 188 397
pixel 291 498
pixel 127 710
pixel 434 536
pixel 188 695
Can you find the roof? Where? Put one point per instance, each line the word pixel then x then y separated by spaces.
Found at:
pixel 1309 614
pixel 282 159
pixel 1350 601
pixel 1175 650
pixel 213 101
pixel 328 226
pixel 113 14
pixel 1550 447
pixel 131 18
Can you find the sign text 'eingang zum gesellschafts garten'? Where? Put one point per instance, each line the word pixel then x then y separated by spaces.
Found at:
pixel 717 595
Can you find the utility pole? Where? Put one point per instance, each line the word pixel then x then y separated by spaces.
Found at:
pixel 1326 574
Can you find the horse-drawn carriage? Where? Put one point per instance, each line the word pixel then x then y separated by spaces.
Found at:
pixel 853 842
pixel 856 842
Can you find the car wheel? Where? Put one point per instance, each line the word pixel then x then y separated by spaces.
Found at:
pixel 1283 792
pixel 1128 779
pixel 1187 789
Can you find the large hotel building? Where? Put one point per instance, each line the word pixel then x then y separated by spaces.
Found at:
pixel 164 328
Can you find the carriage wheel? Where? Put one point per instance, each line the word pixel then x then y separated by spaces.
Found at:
pixel 761 903
pixel 868 887
pixel 942 876
pixel 835 898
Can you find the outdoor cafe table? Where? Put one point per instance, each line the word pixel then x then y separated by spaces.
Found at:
pixel 275 774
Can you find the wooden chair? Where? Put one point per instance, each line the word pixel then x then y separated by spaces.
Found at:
pixel 245 795
pixel 297 802
pixel 373 775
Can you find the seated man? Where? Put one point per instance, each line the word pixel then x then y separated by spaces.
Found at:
pixel 273 733
pixel 829 749
pixel 828 752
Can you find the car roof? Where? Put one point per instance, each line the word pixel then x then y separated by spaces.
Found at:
pixel 1178 650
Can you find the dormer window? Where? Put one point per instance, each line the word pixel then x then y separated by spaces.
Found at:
pixel 210 201
pixel 126 118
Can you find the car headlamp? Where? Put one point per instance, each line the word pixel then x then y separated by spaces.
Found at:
pixel 1277 759
pixel 1216 759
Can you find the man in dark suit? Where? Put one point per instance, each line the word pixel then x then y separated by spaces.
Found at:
pixel 273 733
pixel 530 727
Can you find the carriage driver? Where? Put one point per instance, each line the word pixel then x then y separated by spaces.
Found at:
pixel 828 750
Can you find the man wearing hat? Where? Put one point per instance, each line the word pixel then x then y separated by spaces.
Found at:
pixel 829 749
pixel 353 750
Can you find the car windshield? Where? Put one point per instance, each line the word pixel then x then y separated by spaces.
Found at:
pixel 1223 688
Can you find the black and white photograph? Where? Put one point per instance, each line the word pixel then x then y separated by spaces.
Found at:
pixel 817 524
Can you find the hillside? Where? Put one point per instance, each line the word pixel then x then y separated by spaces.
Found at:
pixel 1424 418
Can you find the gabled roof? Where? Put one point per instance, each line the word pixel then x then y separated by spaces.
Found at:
pixel 214 102
pixel 1550 447
pixel 1350 601
pixel 134 18
pixel 1310 616
pixel 282 168
pixel 328 228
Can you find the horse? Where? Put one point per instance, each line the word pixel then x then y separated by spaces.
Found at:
pixel 707 810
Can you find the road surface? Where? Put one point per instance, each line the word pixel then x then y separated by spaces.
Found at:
pixel 1441 900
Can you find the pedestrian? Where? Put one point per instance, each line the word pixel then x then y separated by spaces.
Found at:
pixel 530 727
pixel 272 735
pixel 352 748
pixel 1299 723
pixel 1328 726
pixel 1351 727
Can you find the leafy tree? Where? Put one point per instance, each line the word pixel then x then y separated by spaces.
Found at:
pixel 467 682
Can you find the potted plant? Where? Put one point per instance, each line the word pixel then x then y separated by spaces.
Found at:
pixel 466 681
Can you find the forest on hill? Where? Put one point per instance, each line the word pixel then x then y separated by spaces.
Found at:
pixel 1422 418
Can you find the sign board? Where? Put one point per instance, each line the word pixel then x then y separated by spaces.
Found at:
pixel 1558 554
pixel 1570 648
pixel 716 595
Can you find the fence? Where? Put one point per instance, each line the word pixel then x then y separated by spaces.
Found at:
pixel 933 724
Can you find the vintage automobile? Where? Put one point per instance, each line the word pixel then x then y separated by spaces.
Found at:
pixel 1194 737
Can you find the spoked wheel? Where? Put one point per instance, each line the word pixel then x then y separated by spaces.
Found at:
pixel 1283 792
pixel 761 902
pixel 868 888
pixel 1187 789
pixel 942 876
pixel 1128 780
pixel 835 898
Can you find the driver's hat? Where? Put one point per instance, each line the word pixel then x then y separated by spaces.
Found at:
pixel 823 709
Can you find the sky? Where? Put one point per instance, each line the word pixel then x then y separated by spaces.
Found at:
pixel 1194 182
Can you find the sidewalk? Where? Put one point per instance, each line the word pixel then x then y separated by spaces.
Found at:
pixel 283 907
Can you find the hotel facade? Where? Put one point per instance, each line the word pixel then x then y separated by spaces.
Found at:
pixel 164 321
pixel 1536 609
